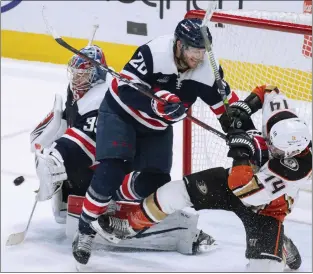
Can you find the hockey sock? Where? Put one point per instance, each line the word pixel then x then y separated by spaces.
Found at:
pixel 93 206
pixel 107 177
pixel 147 214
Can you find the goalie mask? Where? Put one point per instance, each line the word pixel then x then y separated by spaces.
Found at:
pixel 82 74
pixel 288 138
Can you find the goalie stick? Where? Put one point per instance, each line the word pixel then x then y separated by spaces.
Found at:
pixel 17 238
pixel 95 27
pixel 139 87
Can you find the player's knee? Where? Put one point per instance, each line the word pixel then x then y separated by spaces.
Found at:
pixel 108 176
pixel 265 265
pixel 207 187
pixel 138 185
pixel 148 181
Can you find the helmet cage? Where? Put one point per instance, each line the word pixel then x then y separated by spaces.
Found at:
pixel 80 80
pixel 82 74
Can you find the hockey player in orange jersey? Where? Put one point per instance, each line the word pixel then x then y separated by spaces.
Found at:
pixel 260 188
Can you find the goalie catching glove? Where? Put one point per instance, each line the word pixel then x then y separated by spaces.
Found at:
pixel 174 110
pixel 51 128
pixel 50 171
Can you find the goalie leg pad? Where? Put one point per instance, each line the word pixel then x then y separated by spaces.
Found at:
pixel 177 232
pixel 59 208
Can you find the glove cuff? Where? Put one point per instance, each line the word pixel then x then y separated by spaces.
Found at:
pixel 254 102
pixel 243 105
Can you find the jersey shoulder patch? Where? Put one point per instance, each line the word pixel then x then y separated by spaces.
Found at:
pixel 292 169
pixel 92 99
pixel 290 163
pixel 162 54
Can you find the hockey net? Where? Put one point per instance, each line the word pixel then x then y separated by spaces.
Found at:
pixel 254 48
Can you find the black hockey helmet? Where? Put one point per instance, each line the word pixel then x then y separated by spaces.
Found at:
pixel 188 31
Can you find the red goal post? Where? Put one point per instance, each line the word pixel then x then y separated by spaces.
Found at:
pixel 246 21
pixel 260 43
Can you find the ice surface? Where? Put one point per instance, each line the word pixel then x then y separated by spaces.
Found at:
pixel 28 90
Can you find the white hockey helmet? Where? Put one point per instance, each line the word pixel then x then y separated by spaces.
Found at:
pixel 288 138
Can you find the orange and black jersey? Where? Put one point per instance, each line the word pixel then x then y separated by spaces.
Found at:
pixel 273 189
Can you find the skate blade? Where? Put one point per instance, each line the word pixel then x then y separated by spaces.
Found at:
pixel 105 235
pixel 81 267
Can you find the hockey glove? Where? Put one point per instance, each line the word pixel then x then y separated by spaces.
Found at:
pixel 261 155
pixel 50 171
pixel 238 117
pixel 241 146
pixel 173 111
pixel 51 128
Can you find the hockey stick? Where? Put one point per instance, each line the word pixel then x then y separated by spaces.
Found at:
pixel 95 27
pixel 17 238
pixel 208 47
pixel 137 86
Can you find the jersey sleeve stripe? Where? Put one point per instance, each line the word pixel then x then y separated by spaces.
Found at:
pixel 83 141
pixel 89 142
pixel 140 116
pixel 219 108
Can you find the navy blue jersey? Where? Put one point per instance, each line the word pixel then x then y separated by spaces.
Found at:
pixel 78 144
pixel 154 64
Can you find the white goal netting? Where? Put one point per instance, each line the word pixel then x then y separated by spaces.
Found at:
pixel 251 57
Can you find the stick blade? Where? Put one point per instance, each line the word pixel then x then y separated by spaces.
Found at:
pixel 16 238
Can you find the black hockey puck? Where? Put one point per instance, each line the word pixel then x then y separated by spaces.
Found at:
pixel 19 180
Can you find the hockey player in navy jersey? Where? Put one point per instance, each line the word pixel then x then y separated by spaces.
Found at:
pixel 64 142
pixel 260 188
pixel 65 154
pixel 177 70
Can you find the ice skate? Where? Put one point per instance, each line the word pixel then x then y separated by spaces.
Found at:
pixel 81 247
pixel 113 229
pixel 293 257
pixel 204 243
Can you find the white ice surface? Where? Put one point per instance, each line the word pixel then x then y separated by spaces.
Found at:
pixel 27 93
